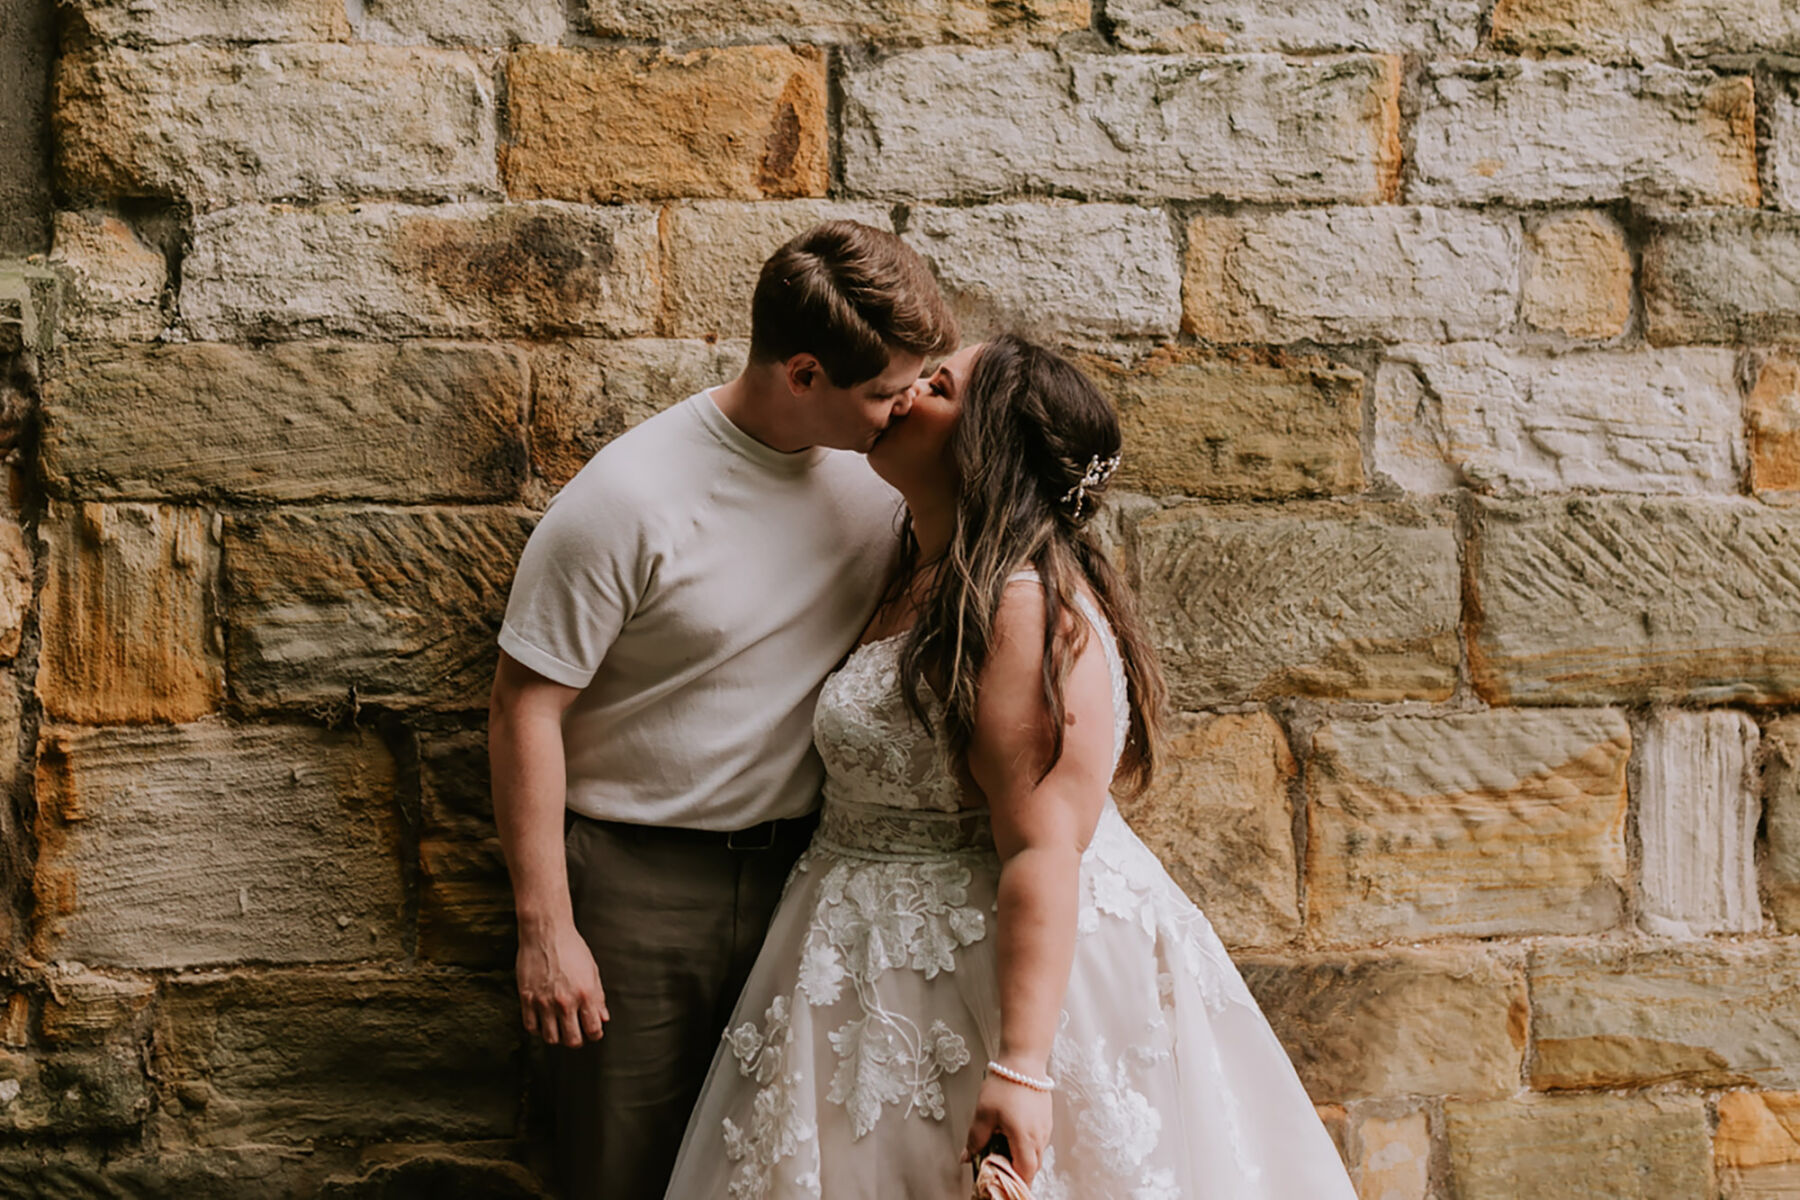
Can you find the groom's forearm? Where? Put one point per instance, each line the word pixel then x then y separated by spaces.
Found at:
pixel 525 756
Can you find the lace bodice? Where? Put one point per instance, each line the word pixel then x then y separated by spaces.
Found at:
pixel 878 754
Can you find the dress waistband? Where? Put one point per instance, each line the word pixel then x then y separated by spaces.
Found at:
pixel 884 834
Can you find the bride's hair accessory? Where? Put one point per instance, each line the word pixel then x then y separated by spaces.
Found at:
pixel 1099 470
pixel 1021 1078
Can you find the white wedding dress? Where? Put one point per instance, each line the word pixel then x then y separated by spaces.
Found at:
pixel 852 1062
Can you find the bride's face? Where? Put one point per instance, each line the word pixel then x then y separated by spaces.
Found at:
pixel 913 453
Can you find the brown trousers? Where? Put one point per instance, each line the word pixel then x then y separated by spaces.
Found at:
pixel 675 924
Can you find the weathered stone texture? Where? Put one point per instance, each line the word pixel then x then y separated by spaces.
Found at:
pixel 950 123
pixel 1702 1014
pixel 73 1092
pixel 600 126
pixel 1772 418
pixel 215 125
pixel 1351 274
pixel 460 22
pixel 1394 1158
pixel 1236 428
pixel 1079 271
pixel 1577 275
pixel 1475 415
pixel 1781 166
pixel 456 270
pixel 1630 31
pixel 85 1006
pixel 207 843
pixel 1432 28
pixel 345 606
pixel 290 421
pixel 1648 1147
pixel 113 283
pixel 58 1172
pixel 891 22
pixel 1757 1147
pixel 15 590
pixel 1219 818
pixel 714 251
pixel 1399 1022
pixel 1722 277
pixel 1504 822
pixel 1696 817
pixel 128 615
pixel 1603 600
pixel 171 21
pixel 465 894
pixel 1519 130
pixel 287 1056
pixel 589 391
pixel 1781 806
pixel 1312 600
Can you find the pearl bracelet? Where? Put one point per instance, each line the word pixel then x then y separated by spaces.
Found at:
pixel 1020 1078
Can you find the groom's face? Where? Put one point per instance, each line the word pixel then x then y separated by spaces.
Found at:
pixel 852 418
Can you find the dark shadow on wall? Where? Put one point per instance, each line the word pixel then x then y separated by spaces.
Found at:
pixel 27 47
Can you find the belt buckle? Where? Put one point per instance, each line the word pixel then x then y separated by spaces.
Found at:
pixel 756 837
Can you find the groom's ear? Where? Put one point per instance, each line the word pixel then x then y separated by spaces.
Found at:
pixel 803 373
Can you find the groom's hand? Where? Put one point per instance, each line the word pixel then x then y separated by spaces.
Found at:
pixel 559 987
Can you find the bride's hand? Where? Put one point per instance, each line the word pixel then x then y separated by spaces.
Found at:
pixel 1019 1112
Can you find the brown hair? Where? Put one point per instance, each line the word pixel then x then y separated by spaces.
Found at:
pixel 1032 425
pixel 851 296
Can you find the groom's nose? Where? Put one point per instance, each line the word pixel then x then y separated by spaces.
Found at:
pixel 904 404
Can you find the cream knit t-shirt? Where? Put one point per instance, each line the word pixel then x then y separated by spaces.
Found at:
pixel 698 586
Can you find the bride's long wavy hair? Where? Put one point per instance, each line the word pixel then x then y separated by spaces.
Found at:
pixel 1030 428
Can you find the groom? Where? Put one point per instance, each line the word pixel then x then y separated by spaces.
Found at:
pixel 672 618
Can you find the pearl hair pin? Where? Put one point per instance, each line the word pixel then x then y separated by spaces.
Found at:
pixel 1099 470
pixel 1020 1078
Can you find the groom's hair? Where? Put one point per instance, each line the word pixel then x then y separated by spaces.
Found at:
pixel 851 296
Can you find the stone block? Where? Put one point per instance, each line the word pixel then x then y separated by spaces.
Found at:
pixel 1697 813
pixel 1308 600
pixel 949 123
pixel 73 1092
pixel 205 843
pixel 174 21
pixel 1405 1021
pixel 287 421
pixel 86 1006
pixel 1476 824
pixel 217 125
pixel 1781 167
pixel 1479 416
pixel 601 126
pixel 1577 275
pixel 1756 1150
pixel 459 22
pixel 714 250
pixel 338 607
pixel 1635 31
pixel 1589 600
pixel 465 893
pixel 1721 277
pixel 1429 28
pixel 1772 418
pixel 128 616
pixel 290 1056
pixel 891 23
pixel 1236 427
pixel 1698 1014
pixel 586 392
pixel 1080 272
pixel 1651 1147
pixel 1781 821
pixel 1517 130
pixel 387 270
pixel 15 588
pixel 1351 274
pixel 1220 819
pixel 112 282
pixel 1393 1160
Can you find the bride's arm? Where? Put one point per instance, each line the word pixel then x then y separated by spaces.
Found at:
pixel 1040 828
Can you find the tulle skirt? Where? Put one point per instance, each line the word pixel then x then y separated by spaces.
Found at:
pixel 852 1063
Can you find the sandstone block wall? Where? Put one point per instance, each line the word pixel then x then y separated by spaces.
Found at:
pixel 1458 346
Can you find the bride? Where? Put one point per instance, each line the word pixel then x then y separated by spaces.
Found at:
pixel 975 942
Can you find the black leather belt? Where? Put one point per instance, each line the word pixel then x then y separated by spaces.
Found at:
pixel 764 836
